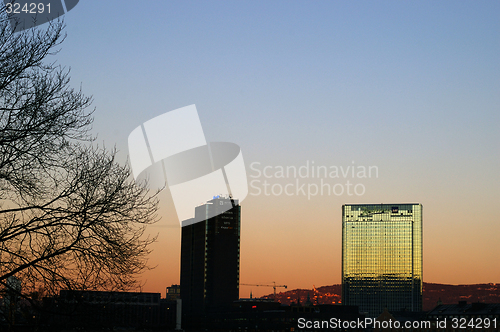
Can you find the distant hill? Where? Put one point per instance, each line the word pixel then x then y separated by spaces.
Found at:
pixel 449 294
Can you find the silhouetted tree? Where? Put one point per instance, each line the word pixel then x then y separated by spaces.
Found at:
pixel 70 216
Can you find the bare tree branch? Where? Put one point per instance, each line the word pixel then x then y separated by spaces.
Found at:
pixel 70 215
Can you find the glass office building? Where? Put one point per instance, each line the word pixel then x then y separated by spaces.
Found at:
pixel 382 257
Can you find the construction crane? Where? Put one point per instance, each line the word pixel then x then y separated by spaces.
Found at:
pixel 274 286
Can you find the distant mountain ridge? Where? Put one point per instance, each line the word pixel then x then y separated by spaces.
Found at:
pixel 448 294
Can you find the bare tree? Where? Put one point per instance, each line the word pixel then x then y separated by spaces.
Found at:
pixel 70 216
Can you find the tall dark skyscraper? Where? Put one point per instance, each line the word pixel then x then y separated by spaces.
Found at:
pixel 382 257
pixel 210 257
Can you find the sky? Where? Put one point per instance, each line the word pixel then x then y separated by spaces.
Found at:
pixel 409 88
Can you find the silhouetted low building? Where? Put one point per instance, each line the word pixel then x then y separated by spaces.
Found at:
pixel 399 321
pixel 173 292
pixel 95 309
pixel 266 315
pixel 465 317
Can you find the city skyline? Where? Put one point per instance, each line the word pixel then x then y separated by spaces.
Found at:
pixel 411 89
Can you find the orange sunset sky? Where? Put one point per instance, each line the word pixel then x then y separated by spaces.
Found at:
pixel 412 88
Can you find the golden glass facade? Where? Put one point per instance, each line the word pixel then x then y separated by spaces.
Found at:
pixel 382 257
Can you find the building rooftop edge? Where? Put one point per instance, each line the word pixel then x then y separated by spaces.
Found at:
pixel 378 204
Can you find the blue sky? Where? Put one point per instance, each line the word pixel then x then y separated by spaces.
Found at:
pixel 412 87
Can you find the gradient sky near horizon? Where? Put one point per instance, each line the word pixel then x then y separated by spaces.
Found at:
pixel 412 88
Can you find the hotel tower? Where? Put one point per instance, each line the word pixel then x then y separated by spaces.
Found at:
pixel 382 257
